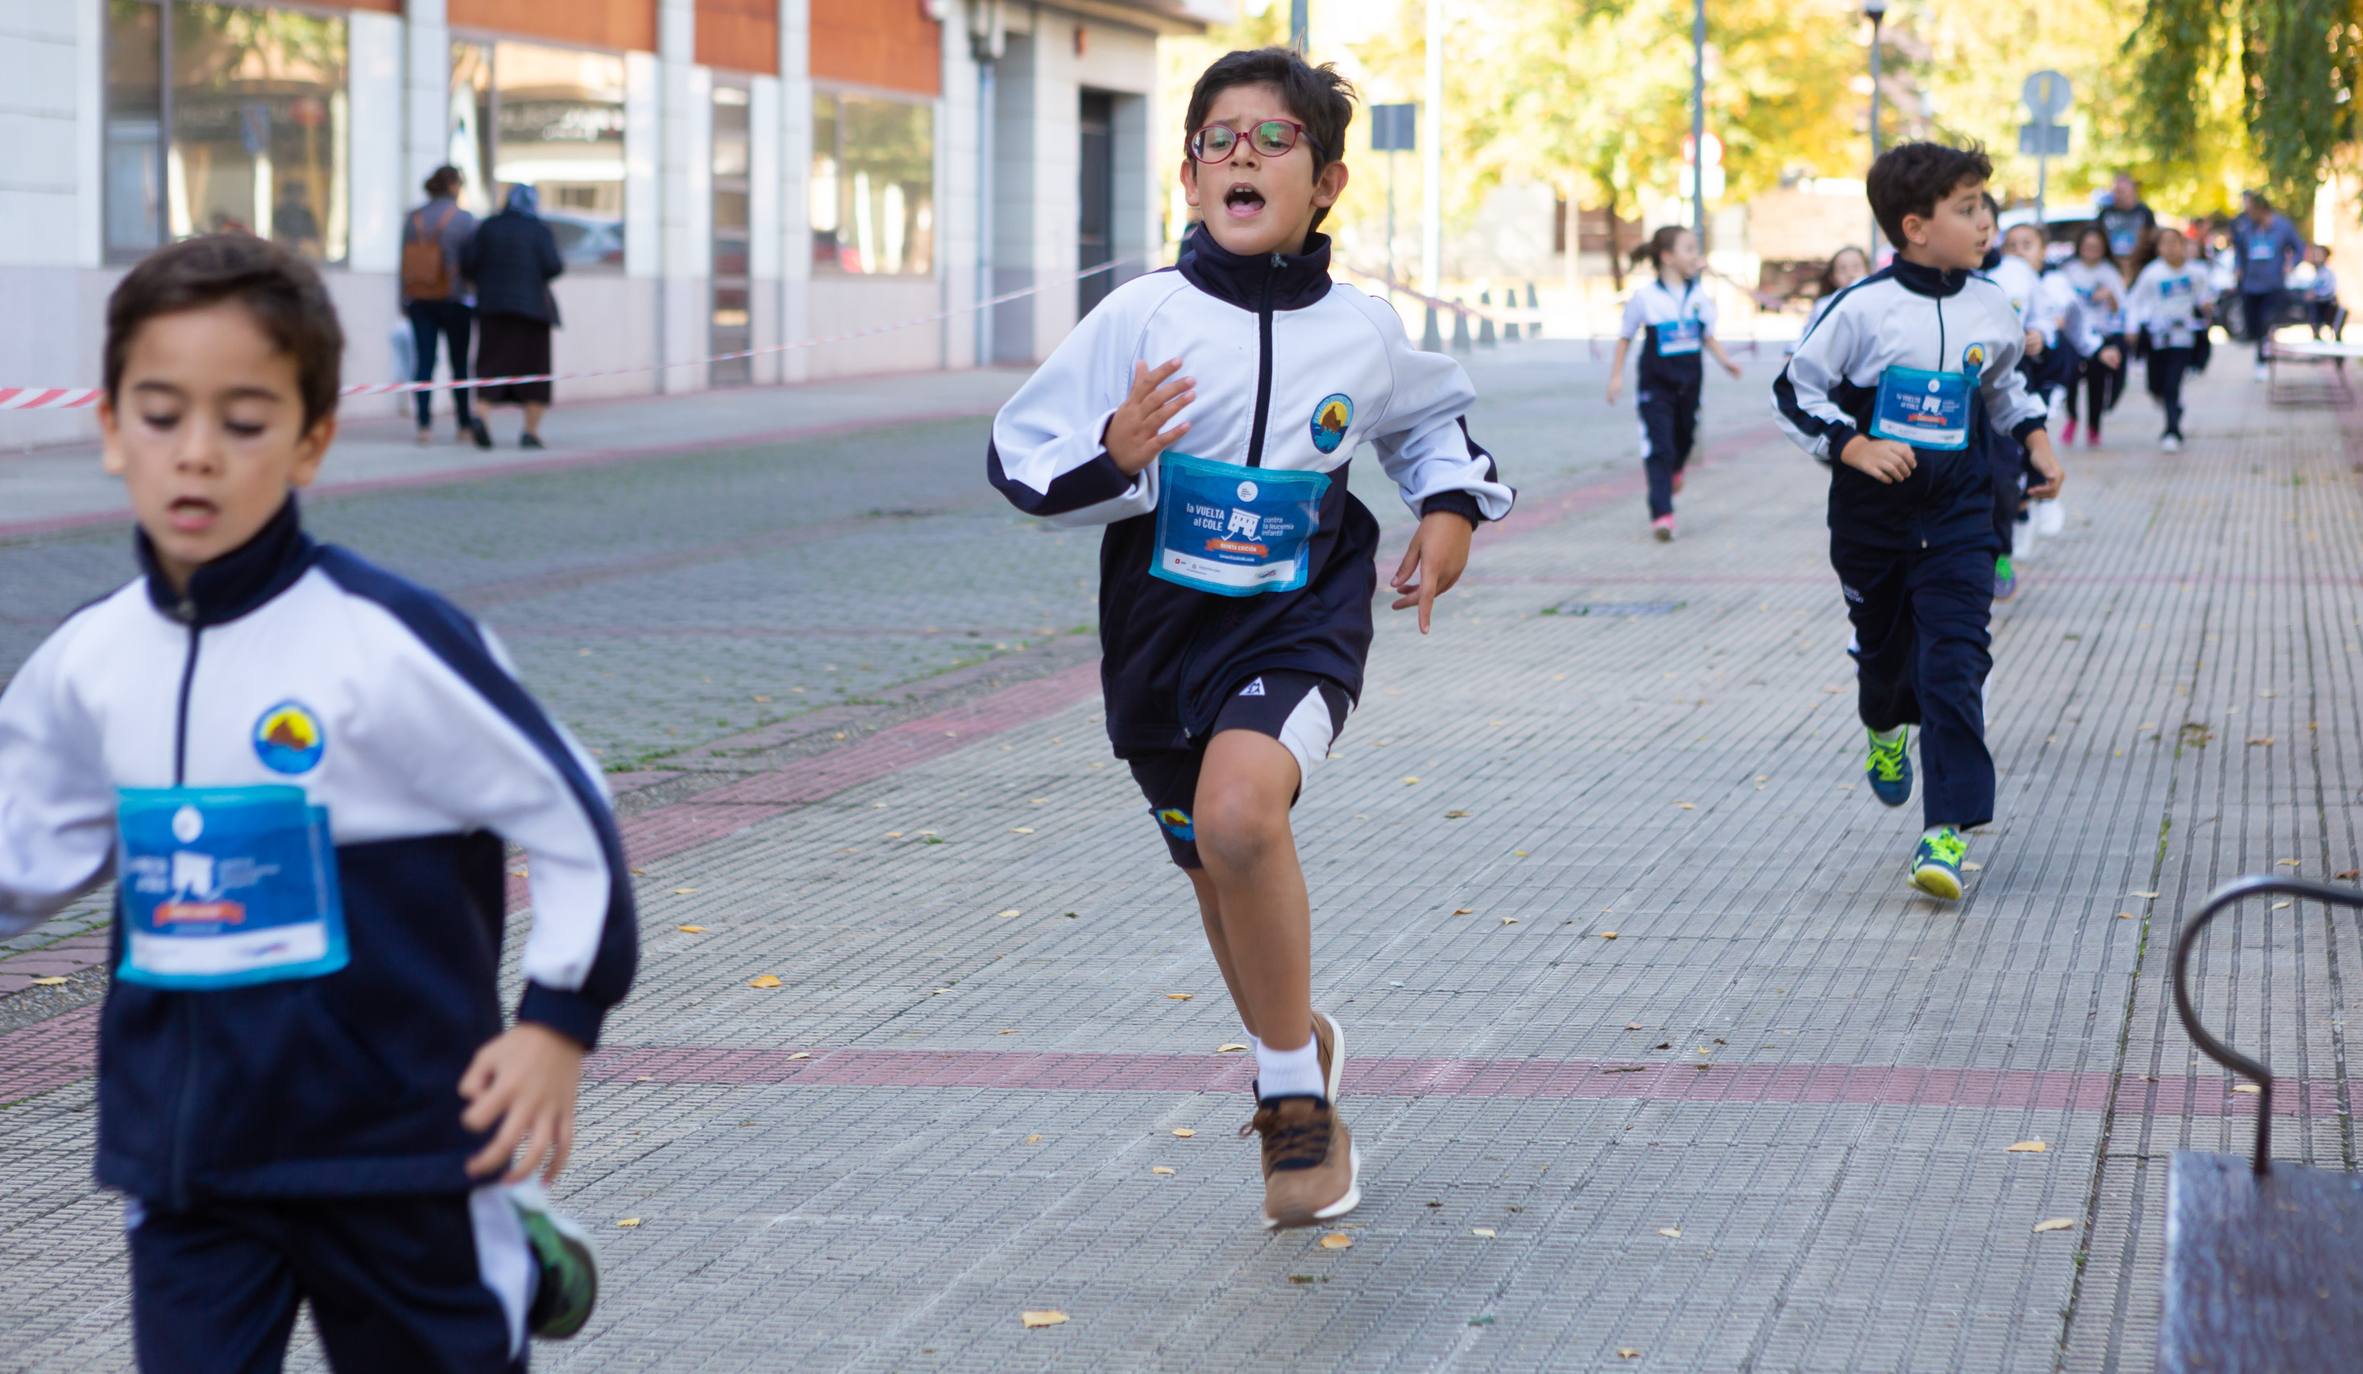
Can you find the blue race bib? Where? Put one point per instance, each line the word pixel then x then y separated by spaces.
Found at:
pixel 1678 338
pixel 1924 409
pixel 1233 530
pixel 226 886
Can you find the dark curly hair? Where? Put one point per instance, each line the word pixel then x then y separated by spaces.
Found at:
pixel 1910 178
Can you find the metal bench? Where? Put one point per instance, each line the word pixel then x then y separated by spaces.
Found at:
pixel 2310 354
pixel 2264 1261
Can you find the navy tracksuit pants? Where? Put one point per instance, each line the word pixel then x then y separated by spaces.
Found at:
pixel 1669 426
pixel 402 1285
pixel 1922 652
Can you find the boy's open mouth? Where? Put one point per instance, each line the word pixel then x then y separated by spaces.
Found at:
pixel 1243 201
pixel 192 514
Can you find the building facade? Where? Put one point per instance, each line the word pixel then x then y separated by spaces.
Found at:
pixel 720 174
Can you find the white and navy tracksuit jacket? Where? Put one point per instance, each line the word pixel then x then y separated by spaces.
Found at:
pixel 1907 315
pixel 1273 345
pixel 2164 303
pixel 288 662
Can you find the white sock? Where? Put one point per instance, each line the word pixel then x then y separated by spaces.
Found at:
pixel 1888 736
pixel 1289 1073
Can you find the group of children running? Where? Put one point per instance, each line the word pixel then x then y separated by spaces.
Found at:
pixel 300 769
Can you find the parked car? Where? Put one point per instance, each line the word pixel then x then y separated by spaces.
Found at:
pixel 584 240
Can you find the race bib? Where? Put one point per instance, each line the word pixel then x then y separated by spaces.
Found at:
pixel 1924 409
pixel 1233 530
pixel 1678 338
pixel 2262 250
pixel 226 886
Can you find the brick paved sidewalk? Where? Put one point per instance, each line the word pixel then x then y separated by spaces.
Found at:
pixel 1763 1127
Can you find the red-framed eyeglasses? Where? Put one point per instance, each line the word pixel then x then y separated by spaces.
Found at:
pixel 1270 137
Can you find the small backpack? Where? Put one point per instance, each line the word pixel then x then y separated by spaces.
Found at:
pixel 426 272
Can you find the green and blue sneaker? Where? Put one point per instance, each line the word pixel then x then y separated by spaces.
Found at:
pixel 566 1272
pixel 1890 767
pixel 2005 578
pixel 1936 867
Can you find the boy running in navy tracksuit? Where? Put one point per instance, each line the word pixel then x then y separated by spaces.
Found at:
pixel 1236 577
pixel 1679 320
pixel 299 770
pixel 1887 391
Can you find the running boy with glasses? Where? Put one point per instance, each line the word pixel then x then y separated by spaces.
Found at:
pixel 1206 416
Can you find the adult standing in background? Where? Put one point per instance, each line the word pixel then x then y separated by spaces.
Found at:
pixel 434 297
pixel 512 259
pixel 2127 221
pixel 2266 248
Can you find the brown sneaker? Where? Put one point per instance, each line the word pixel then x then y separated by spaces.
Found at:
pixel 1331 1042
pixel 1311 1169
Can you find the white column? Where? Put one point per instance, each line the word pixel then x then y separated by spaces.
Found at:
pixel 682 294
pixel 643 132
pixel 957 211
pixel 1055 145
pixel 763 221
pixel 374 54
pixel 426 84
pixel 90 82
pixel 795 154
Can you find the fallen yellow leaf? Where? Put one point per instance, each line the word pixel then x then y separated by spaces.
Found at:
pixel 1971 866
pixel 1464 911
pixel 1509 920
pixel 800 1054
pixel 1013 911
pixel 1021 830
pixel 1337 1240
pixel 2138 893
pixel 1159 1169
pixel 2027 1147
pixel 2246 1088
pixel 1632 1025
pixel 1411 780
pixel 1481 1232
pixel 1183 1132
pixel 1517 853
pixel 767 980
pixel 691 930
pixel 684 891
pixel 1687 806
pixel 1670 1232
pixel 1456 815
pixel 1607 934
pixel 1035 1320
pixel 2277 906
pixel 49 982
pixel 1626 1352
pixel 2289 863
pixel 1033 1140
pixel 639 872
pixel 1179 996
pixel 629 1222
pixel 2055 1224
pixel 2265 740
pixel 1230 1047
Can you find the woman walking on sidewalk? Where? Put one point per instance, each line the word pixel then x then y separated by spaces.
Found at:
pixel 513 259
pixel 434 298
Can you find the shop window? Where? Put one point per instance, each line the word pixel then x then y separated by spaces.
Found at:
pixel 550 118
pixel 225 117
pixel 873 185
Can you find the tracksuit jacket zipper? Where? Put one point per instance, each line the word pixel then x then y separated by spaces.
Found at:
pixel 1255 455
pixel 184 1109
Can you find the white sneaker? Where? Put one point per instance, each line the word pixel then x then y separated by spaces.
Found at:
pixel 2049 520
pixel 2263 372
pixel 2172 443
pixel 2022 540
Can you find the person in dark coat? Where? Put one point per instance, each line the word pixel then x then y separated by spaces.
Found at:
pixel 512 259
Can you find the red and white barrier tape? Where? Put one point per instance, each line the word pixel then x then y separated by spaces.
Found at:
pixel 81 397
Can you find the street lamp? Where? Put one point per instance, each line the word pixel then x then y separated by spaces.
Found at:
pixel 1876 12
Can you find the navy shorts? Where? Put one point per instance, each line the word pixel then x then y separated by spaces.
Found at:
pixel 1303 711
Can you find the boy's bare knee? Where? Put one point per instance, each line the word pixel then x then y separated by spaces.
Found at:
pixel 1239 828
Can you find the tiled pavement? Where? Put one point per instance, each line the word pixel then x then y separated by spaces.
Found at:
pixel 1807 1073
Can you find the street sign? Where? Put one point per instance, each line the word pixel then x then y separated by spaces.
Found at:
pixel 2043 140
pixel 1394 128
pixel 2046 94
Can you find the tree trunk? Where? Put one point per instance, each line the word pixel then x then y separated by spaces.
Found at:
pixel 1616 257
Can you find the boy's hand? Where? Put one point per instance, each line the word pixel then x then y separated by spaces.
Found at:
pixel 1884 459
pixel 521 1087
pixel 1616 385
pixel 1136 433
pixel 2046 464
pixel 1439 552
pixel 1731 367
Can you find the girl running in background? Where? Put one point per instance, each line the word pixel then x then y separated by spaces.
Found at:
pixel 2100 287
pixel 1679 321
pixel 1847 266
pixel 2170 304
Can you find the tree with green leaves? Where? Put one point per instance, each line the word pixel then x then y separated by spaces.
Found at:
pixel 2295 68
